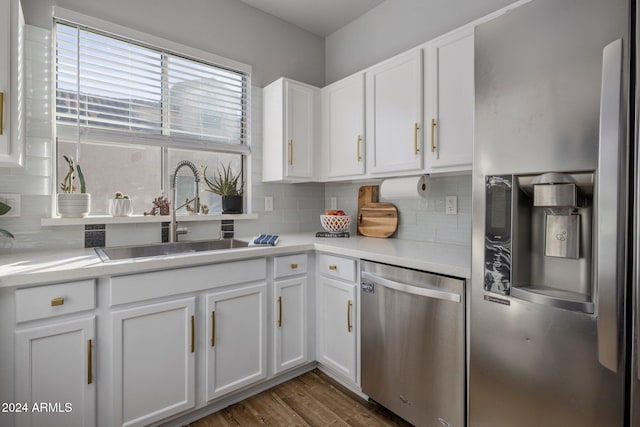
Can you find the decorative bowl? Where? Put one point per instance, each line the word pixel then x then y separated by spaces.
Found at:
pixel 335 223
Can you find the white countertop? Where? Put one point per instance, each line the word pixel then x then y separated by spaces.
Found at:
pixel 51 267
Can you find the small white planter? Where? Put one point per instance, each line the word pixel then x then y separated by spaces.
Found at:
pixel 120 207
pixel 74 205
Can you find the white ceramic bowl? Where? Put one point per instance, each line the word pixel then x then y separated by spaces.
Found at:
pixel 335 223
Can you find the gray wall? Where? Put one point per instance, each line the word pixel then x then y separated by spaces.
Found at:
pixel 228 28
pixel 395 26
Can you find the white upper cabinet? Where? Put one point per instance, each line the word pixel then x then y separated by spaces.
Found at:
pixel 343 121
pixel 12 120
pixel 450 105
pixel 394 114
pixel 289 131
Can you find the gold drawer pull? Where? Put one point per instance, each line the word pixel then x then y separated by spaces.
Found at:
pixel 333 267
pixel 294 266
pixel 416 149
pixel 213 328
pixel 349 325
pixel 291 151
pixel 1 113
pixel 193 334
pixel 57 301
pixel 433 135
pixel 279 311
pixel 90 362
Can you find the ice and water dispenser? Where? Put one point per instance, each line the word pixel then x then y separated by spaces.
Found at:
pixel 538 238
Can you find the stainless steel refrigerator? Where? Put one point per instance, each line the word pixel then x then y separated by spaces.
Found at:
pixel 552 247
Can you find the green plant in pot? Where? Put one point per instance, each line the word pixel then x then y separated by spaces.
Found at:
pixel 4 208
pixel 229 187
pixel 70 203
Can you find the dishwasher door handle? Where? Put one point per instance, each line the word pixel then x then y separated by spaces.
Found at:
pixel 430 292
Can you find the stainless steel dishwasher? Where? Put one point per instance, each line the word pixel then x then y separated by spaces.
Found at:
pixel 413 343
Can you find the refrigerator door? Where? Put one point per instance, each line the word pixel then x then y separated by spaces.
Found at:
pixel 635 264
pixel 538 81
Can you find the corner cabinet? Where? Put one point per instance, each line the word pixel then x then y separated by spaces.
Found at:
pixel 290 333
pixel 237 339
pixel 342 130
pixel 394 94
pixel 12 118
pixel 153 361
pixel 289 110
pixel 450 106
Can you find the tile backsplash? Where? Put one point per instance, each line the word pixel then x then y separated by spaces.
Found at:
pixel 422 219
pixel 296 207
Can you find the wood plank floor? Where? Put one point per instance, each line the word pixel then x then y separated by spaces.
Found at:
pixel 312 399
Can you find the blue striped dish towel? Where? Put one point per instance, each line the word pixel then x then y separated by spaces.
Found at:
pixel 266 240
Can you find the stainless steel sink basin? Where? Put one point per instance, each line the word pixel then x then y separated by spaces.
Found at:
pixel 158 249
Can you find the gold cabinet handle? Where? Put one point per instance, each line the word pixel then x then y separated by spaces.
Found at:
pixel 333 267
pixel 416 149
pixel 89 361
pixel 279 311
pixel 193 334
pixel 349 325
pixel 359 155
pixel 1 113
pixel 57 301
pixel 213 328
pixel 433 138
pixel 294 266
pixel 291 151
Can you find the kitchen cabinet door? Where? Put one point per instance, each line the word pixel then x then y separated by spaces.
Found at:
pixel 336 326
pixel 236 339
pixel 12 120
pixel 451 102
pixel 342 121
pixel 289 110
pixel 394 114
pixel 290 324
pixel 54 363
pixel 153 359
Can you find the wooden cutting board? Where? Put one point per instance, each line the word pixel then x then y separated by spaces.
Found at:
pixel 378 220
pixel 366 194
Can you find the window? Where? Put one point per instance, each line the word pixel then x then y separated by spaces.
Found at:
pixel 129 111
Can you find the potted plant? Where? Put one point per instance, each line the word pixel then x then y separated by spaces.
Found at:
pixel 229 187
pixel 4 208
pixel 70 203
pixel 120 205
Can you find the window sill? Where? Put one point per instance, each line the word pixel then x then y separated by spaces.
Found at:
pixel 138 219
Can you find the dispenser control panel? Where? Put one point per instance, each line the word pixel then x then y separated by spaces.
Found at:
pixel 497 241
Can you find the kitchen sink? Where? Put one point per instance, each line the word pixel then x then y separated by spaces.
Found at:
pixel 158 249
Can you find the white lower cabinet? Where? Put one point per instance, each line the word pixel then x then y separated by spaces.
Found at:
pixel 336 327
pixel 290 324
pixel 236 353
pixel 54 374
pixel 153 361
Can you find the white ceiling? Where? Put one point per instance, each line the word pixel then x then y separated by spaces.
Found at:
pixel 320 17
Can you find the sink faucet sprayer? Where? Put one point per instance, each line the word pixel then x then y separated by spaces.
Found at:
pixel 173 229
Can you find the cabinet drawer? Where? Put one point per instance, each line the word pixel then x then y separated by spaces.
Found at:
pixel 289 265
pixel 335 266
pixel 53 300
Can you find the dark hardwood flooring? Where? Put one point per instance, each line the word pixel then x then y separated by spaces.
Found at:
pixel 312 399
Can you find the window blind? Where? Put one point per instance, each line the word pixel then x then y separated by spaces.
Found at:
pixel 108 88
